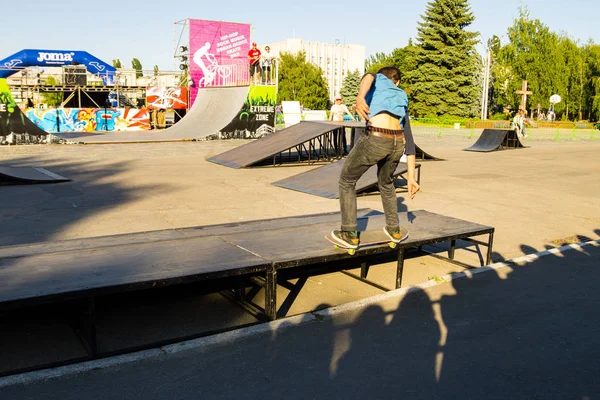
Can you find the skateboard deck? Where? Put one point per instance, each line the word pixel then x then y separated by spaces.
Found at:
pixel 370 238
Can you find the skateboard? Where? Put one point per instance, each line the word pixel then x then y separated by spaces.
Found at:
pixel 370 238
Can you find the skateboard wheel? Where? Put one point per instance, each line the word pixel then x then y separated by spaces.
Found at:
pixel 351 252
pixel 336 246
pixel 392 245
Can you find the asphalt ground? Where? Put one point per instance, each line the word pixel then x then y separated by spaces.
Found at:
pixel 537 198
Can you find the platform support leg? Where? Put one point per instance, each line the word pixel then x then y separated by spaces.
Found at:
pixel 88 332
pixel 452 249
pixel 271 293
pixel 364 270
pixel 488 259
pixel 400 268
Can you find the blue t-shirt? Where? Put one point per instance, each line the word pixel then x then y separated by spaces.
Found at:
pixel 386 97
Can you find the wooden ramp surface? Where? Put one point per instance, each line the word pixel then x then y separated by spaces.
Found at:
pixel 82 273
pixel 324 181
pixel 271 145
pixel 496 139
pixel 28 175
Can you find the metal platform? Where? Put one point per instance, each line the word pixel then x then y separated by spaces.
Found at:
pixel 232 255
pixel 28 175
pixel 306 141
pixel 324 181
pixel 496 139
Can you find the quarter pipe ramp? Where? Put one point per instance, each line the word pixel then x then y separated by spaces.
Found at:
pixel 213 109
pixel 496 139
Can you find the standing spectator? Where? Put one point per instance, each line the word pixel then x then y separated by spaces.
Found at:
pixel 338 110
pixel 254 60
pixel 267 62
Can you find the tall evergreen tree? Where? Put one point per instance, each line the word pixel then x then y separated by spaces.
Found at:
pixel 445 61
pixel 350 86
pixel 301 81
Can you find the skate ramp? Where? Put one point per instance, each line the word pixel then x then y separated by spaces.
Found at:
pixel 496 139
pixel 324 181
pixel 213 109
pixel 28 175
pixel 300 137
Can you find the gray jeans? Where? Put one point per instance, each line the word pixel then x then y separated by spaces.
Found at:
pixel 368 151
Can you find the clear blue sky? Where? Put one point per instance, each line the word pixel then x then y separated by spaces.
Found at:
pixel 144 29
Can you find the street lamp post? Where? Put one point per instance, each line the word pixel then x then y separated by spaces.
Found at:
pixel 486 83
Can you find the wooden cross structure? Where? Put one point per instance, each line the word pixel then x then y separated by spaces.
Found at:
pixel 524 92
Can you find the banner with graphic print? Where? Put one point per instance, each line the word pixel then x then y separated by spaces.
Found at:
pixel 166 97
pixel 12 120
pixel 218 54
pixel 257 116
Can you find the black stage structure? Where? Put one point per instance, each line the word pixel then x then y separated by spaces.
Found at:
pixel 233 259
pixel 324 181
pixel 496 139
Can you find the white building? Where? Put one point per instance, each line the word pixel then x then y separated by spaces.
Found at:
pixel 336 60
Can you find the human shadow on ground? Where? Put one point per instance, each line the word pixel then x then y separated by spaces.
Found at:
pixel 521 331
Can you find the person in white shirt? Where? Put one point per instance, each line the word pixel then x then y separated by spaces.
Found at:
pixel 338 110
pixel 267 61
pixel 336 114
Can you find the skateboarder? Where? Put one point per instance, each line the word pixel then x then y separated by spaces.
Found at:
pixel 384 107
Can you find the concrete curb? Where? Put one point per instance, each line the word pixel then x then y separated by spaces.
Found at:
pixel 285 323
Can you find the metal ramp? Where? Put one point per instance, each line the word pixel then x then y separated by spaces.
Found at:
pixel 306 141
pixel 324 181
pixel 496 139
pixel 28 175
pixel 213 109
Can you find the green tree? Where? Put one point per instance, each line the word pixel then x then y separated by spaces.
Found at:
pixel 350 86
pixel 156 70
pixel 116 63
pixel 137 65
pixel 445 61
pixel 52 99
pixel 377 61
pixel 302 81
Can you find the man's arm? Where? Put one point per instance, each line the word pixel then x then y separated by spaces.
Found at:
pixel 348 112
pixel 411 159
pixel 362 108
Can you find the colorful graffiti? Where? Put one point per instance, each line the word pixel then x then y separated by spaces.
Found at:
pixel 165 97
pixel 219 53
pixel 89 119
pixel 257 116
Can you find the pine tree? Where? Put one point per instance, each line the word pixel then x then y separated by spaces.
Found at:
pixel 444 58
pixel 350 86
pixel 301 81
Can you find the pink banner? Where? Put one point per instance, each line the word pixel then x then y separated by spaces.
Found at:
pixel 219 54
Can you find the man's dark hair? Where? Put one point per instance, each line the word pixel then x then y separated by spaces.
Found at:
pixel 391 72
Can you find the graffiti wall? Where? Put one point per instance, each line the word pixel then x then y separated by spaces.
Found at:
pixel 89 119
pixel 219 54
pixel 256 118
